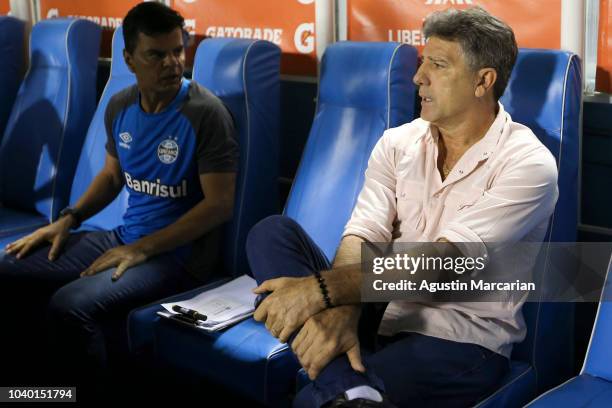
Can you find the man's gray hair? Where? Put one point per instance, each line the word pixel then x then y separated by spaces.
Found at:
pixel 486 41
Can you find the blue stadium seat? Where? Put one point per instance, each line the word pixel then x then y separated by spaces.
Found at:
pixel 47 125
pixel 364 89
pixel 12 33
pixel 593 387
pixel 245 75
pixel 93 153
pixel 545 93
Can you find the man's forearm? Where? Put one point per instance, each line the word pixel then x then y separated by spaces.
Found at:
pixel 100 193
pixel 200 219
pixel 345 278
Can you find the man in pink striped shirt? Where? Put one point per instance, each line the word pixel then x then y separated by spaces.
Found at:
pixel 463 172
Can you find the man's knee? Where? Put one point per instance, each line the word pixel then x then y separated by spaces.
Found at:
pixel 69 306
pixel 268 229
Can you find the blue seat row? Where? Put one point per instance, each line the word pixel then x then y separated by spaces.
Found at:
pixel 354 106
pixel 12 32
pixel 46 128
pixel 364 89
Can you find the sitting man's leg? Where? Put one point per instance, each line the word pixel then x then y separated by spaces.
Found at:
pixel 279 247
pixel 79 310
pixel 424 371
pixel 420 370
pixel 26 285
pixel 412 369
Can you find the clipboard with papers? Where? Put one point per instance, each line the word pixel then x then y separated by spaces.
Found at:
pixel 217 308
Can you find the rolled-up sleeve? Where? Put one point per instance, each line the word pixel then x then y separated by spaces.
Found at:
pixel 520 198
pixel 375 210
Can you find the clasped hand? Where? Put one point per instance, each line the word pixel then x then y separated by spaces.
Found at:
pixel 290 302
pixel 327 335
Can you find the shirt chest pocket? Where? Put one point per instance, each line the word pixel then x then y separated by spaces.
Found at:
pixel 409 197
pixel 468 199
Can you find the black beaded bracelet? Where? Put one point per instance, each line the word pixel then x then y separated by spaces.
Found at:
pixel 324 292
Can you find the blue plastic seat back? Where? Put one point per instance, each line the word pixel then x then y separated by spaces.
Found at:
pixel 47 125
pixel 544 93
pixel 11 70
pixel 365 89
pixel 598 361
pixel 93 154
pixel 245 75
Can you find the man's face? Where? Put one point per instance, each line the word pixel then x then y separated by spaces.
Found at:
pixel 446 83
pixel 158 62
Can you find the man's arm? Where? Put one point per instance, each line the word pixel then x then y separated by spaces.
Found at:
pixel 102 191
pixel 212 211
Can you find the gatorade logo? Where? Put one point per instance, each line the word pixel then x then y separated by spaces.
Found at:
pixel 304 39
pixel 443 2
pixel 52 13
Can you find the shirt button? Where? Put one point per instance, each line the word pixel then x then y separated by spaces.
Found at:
pixel 460 171
pixel 403 194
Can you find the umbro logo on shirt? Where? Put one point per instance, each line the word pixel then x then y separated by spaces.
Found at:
pixel 126 139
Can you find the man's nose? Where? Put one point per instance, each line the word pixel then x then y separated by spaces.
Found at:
pixel 419 77
pixel 171 60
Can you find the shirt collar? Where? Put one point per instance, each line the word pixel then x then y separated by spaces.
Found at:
pixel 479 151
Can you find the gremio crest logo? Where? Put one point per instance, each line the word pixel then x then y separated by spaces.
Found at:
pixel 168 151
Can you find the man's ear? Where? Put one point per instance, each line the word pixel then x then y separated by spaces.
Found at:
pixel 127 57
pixel 485 80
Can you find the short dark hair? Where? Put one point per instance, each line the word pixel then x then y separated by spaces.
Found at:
pixel 149 18
pixel 486 41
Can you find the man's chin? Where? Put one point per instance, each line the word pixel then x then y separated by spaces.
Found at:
pixel 427 116
pixel 169 86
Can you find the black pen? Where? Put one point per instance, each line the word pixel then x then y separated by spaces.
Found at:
pixel 194 314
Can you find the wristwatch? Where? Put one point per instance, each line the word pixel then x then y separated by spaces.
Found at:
pixel 75 213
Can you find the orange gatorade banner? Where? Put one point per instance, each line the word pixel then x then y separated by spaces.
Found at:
pixel 604 47
pixel 289 23
pixel 536 23
pixel 107 13
pixel 5 7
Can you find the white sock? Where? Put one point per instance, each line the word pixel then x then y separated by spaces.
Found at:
pixel 365 392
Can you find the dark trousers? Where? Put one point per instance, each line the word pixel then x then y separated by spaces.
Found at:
pixel 414 370
pixel 54 309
